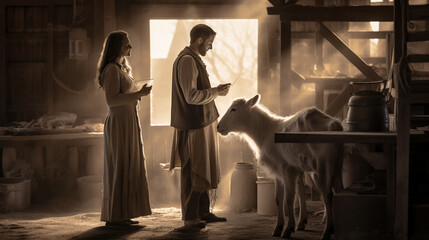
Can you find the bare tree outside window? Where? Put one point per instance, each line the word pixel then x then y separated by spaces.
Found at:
pixel 233 59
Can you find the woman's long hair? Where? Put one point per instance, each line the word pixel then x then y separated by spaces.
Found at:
pixel 111 51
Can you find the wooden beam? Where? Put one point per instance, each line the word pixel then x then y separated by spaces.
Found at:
pixel 335 137
pixel 36 2
pixel 285 66
pixel 50 60
pixel 332 13
pixel 123 14
pixel 109 17
pixel 296 79
pixel 419 12
pixel 338 102
pixel 349 54
pixel 368 35
pixel 402 115
pixel 318 47
pixel 351 35
pixel 277 2
pixel 389 151
pixel 3 116
pixel 292 2
pixel 418 58
pixel 418 36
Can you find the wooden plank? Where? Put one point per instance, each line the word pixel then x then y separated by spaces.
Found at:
pixel 418 58
pixel 26 108
pixel 333 13
pixel 389 152
pixel 170 11
pixel 349 54
pixel 351 35
pixel 338 103
pixel 368 35
pixel 402 167
pixel 36 2
pixel 333 79
pixel 335 137
pixel 39 65
pixel 285 66
pixel 379 60
pixel 419 12
pixel 50 60
pixel 109 17
pixel 3 116
pixel 402 115
pixel 419 98
pixel 277 2
pixel 319 94
pixel 78 139
pixel 291 2
pixel 419 138
pixel 418 36
pixel 26 35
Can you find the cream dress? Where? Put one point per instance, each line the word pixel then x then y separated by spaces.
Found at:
pixel 125 194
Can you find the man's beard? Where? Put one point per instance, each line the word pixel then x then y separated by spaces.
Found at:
pixel 202 50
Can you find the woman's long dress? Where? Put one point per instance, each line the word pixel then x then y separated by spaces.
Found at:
pixel 125 194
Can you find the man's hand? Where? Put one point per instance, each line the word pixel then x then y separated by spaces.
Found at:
pixel 223 89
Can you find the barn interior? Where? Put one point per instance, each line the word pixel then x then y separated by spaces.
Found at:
pixel 294 53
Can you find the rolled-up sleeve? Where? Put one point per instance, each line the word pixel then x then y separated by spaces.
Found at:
pixel 188 74
pixel 112 88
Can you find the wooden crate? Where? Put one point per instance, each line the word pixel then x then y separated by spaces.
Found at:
pixel 358 216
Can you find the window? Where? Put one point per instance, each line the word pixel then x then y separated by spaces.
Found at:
pixel 232 59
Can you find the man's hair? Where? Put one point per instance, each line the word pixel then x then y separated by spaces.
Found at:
pixel 201 30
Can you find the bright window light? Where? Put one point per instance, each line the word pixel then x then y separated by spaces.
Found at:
pixel 234 58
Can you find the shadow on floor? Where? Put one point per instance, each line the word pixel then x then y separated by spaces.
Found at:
pixel 189 233
pixel 107 233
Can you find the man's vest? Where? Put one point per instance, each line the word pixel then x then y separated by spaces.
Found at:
pixel 184 115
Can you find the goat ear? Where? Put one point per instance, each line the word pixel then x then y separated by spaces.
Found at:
pixel 254 100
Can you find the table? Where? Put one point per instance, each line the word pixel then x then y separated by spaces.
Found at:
pixel 36 143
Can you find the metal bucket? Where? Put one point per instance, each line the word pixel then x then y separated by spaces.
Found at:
pixel 367 110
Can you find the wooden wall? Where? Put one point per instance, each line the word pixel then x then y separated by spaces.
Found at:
pixel 35 40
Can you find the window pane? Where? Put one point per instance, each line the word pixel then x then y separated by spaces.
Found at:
pixel 232 59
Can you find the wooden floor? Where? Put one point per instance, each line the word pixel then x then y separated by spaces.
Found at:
pixel 63 219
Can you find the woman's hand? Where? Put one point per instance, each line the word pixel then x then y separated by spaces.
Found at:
pixel 145 90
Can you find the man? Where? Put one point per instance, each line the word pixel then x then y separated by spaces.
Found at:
pixel 194 117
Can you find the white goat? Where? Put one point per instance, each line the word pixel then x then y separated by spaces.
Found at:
pixel 287 161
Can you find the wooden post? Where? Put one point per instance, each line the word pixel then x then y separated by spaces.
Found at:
pixel 285 66
pixel 50 58
pixel 3 111
pixel 319 45
pixel 109 17
pixel 403 123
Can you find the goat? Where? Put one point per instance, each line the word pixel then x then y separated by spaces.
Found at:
pixel 286 162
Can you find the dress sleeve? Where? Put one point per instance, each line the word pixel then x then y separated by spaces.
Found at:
pixel 112 88
pixel 188 73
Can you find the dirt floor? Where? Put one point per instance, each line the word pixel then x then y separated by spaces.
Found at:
pixel 66 219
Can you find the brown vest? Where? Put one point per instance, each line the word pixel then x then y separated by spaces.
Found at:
pixel 184 115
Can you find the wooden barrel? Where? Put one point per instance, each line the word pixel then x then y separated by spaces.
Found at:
pixel 367 112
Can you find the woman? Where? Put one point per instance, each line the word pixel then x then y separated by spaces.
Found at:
pixel 126 192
